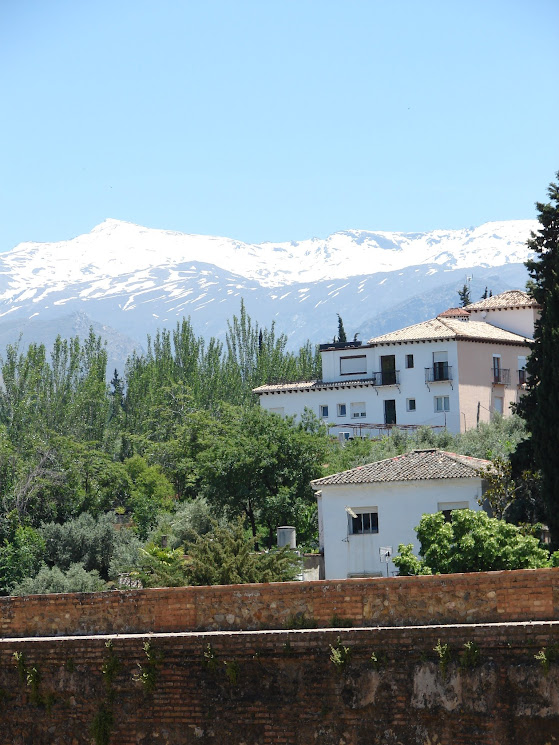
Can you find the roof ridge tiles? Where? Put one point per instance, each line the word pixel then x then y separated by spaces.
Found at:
pixel 419 464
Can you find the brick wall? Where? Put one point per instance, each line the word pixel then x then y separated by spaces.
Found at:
pixel 281 688
pixel 461 598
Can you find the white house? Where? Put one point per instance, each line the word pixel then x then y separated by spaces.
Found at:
pixel 366 510
pixel 452 371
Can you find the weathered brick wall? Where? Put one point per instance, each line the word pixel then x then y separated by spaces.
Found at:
pixel 281 688
pixel 460 598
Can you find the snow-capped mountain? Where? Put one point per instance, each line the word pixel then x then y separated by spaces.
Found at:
pixel 136 279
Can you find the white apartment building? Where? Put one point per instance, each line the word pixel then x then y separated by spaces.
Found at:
pixel 452 371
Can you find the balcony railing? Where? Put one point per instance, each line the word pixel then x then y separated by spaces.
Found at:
pixel 500 376
pixel 522 377
pixel 440 371
pixel 387 377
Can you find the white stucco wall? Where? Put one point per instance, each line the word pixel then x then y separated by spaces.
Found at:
pixel 331 362
pixel 412 385
pixel 400 506
pixel 518 320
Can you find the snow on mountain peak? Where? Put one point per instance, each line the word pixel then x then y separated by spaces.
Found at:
pixel 118 250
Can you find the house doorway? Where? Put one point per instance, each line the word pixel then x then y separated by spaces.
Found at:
pixel 390 411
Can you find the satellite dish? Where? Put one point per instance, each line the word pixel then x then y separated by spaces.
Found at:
pixel 385 553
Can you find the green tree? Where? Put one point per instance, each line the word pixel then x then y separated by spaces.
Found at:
pixel 48 580
pixel 342 337
pixel 151 493
pixel 21 557
pixel 87 541
pixel 540 405
pixel 470 542
pixel 226 556
pixel 464 295
pixel 161 567
pixel 260 466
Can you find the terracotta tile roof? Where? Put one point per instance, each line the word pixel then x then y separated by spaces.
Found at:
pixel 450 328
pixel 314 385
pixel 509 299
pixel 415 465
pixel 454 313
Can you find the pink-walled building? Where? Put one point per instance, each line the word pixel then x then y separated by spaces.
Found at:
pixel 452 371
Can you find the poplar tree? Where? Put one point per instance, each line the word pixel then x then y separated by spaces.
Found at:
pixel 540 405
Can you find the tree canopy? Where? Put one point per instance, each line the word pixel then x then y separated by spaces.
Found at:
pixel 470 542
pixel 540 405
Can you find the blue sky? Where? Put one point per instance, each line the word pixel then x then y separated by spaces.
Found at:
pixel 274 120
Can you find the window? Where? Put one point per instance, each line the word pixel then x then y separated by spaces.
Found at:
pixel 343 436
pixel 447 508
pixel 342 410
pixel 324 412
pixel 388 369
pixel 442 403
pixel 522 378
pixel 410 404
pixel 499 405
pixel 358 410
pixel 363 522
pixel 390 411
pixel 497 368
pixel 355 365
pixel 409 361
pixel 440 366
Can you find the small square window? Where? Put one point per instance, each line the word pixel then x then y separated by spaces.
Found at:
pixel 409 360
pixel 363 522
pixel 342 410
pixel 410 404
pixel 324 412
pixel 358 410
pixel 442 403
pixel 447 508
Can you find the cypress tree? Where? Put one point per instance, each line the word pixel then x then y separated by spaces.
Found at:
pixel 341 331
pixel 540 406
pixel 464 295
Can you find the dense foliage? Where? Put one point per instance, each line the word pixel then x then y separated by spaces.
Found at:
pixel 540 405
pixel 172 473
pixel 469 542
pixel 97 479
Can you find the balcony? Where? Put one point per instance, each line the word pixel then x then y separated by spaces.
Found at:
pixel 440 372
pixel 500 376
pixel 387 377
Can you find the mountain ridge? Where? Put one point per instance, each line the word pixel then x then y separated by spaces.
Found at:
pixel 135 280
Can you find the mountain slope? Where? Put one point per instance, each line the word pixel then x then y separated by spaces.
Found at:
pixel 136 279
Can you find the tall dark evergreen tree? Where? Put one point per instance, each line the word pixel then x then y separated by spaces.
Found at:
pixel 341 331
pixel 464 295
pixel 540 406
